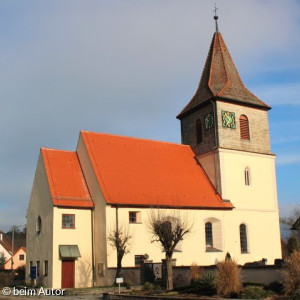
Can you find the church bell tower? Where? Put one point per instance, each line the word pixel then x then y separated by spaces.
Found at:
pixel 227 127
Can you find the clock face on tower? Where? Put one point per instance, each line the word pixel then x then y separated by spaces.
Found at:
pixel 209 121
pixel 228 119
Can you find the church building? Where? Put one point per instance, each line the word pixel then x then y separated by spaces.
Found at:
pixel 222 177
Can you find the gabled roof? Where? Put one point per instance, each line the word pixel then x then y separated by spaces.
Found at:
pixel 66 181
pixel 15 253
pixel 139 172
pixel 220 80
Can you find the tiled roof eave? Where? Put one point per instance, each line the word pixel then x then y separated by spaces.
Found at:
pixel 244 103
pixel 73 202
pixel 224 99
pixel 185 112
pixel 173 206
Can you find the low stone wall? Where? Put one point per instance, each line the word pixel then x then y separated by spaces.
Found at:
pixel 254 274
pixel 181 274
pixel 130 275
pixel 262 274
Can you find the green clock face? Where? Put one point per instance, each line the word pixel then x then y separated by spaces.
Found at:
pixel 209 121
pixel 228 119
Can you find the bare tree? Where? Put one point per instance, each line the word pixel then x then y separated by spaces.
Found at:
pixel 168 229
pixel 291 219
pixel 119 239
pixel 290 235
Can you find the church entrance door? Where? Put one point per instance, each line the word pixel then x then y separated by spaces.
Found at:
pixel 68 274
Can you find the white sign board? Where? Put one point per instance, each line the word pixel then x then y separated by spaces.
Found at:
pixel 119 280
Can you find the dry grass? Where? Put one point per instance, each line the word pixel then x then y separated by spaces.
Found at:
pixel 291 273
pixel 228 278
pixel 195 272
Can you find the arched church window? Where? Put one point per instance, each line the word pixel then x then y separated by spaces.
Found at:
pixel 199 131
pixel 244 128
pixel 243 238
pixel 247 176
pixel 208 234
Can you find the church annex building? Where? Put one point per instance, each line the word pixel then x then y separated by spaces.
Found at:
pixel 222 176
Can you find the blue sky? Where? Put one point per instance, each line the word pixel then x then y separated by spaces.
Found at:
pixel 128 67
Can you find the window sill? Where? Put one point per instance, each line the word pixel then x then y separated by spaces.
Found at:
pixel 212 249
pixel 135 222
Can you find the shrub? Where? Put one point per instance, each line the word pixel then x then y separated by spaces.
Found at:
pixel 195 272
pixel 208 283
pixel 291 273
pixel 255 292
pixel 228 278
pixel 204 286
pixel 6 278
pixel 20 273
pixel 276 287
pixel 296 295
pixel 150 289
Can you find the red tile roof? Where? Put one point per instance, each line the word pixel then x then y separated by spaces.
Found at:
pixel 220 80
pixel 139 172
pixel 66 181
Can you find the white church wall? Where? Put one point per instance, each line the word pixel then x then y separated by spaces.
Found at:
pixel 262 237
pixel 81 236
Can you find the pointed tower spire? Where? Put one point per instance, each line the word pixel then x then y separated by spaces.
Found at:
pixel 220 80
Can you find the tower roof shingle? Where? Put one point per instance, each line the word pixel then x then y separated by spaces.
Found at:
pixel 220 80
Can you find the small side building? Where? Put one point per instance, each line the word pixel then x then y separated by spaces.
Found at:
pixel 60 244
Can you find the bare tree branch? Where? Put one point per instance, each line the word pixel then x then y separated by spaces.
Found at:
pixel 120 239
pixel 169 228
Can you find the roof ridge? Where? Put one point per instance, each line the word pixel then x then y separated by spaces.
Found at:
pixel 134 138
pixel 61 150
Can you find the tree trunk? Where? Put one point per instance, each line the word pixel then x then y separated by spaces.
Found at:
pixel 119 266
pixel 169 273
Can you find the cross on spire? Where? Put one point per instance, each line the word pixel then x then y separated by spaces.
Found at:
pixel 216 17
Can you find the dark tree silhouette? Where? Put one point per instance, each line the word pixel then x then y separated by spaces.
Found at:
pixel 119 239
pixel 168 229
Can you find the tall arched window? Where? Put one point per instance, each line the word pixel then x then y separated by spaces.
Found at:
pixel 244 128
pixel 208 234
pixel 199 131
pixel 243 238
pixel 247 176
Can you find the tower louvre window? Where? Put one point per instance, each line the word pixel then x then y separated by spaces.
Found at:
pixel 199 131
pixel 244 128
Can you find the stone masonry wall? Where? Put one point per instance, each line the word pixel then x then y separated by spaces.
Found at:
pixel 258 124
pixel 188 130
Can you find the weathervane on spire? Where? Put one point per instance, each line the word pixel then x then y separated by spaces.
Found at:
pixel 216 17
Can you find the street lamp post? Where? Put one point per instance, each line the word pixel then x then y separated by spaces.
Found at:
pixel 13 244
